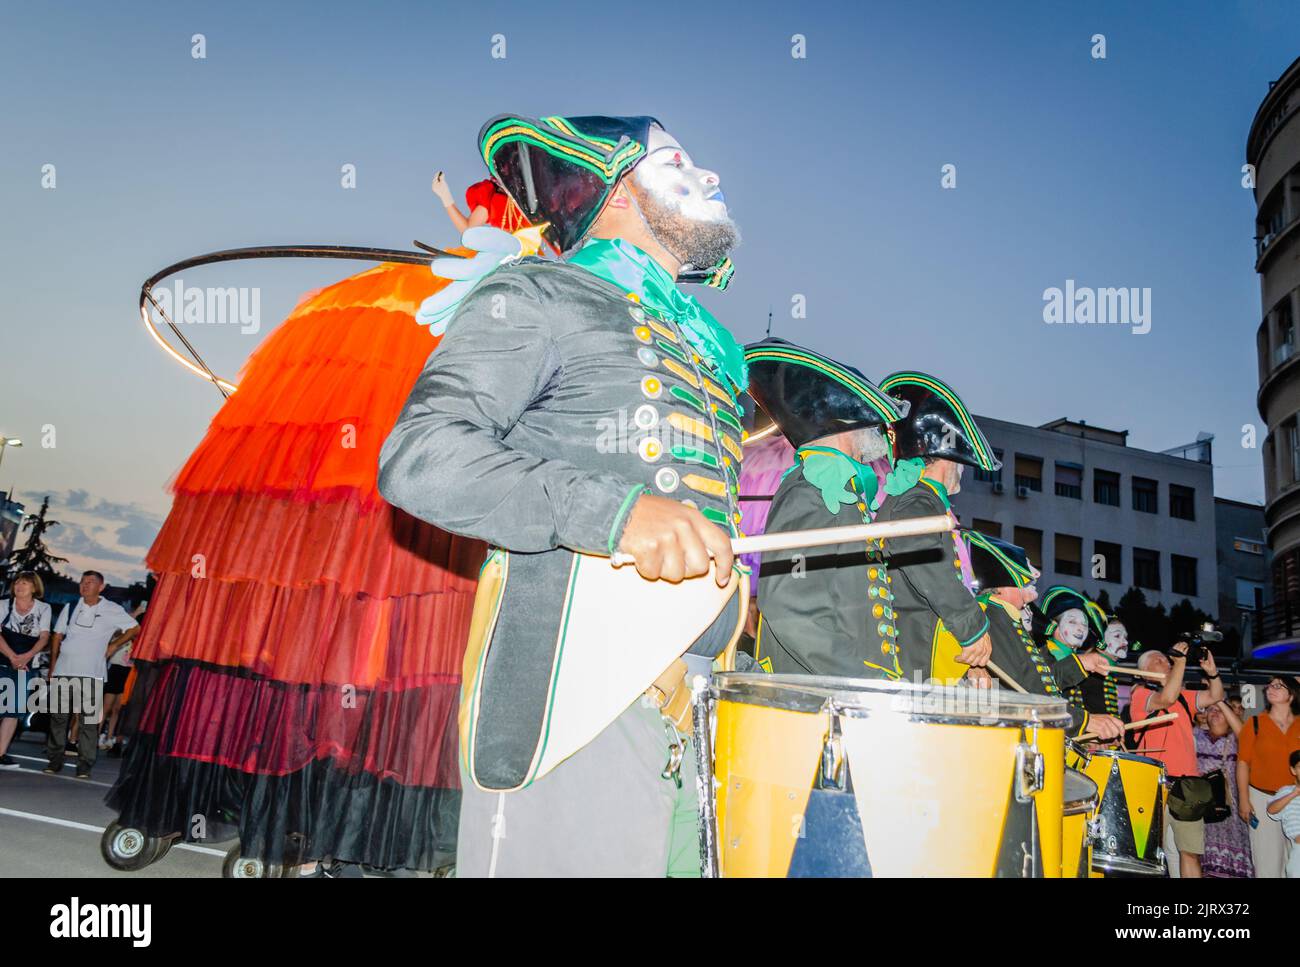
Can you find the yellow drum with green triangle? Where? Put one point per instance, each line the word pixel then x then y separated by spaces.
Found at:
pixel 1128 829
pixel 849 777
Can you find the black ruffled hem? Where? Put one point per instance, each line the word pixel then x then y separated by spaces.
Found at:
pixel 319 811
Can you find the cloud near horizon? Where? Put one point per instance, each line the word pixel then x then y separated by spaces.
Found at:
pixel 105 535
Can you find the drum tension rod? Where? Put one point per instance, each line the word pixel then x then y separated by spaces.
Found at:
pixel 833 754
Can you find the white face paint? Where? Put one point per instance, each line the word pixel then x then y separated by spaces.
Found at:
pixel 670 176
pixel 1072 628
pixel 1117 640
pixel 1027 618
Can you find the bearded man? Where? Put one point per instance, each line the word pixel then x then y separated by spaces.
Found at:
pixel 506 437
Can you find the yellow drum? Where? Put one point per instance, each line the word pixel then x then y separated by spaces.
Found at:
pixel 1128 830
pixel 1080 807
pixel 846 777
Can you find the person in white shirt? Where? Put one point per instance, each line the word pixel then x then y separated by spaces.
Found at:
pixel 1285 807
pixel 24 633
pixel 87 633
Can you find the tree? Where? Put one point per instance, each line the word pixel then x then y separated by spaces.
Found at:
pixel 34 555
pixel 1153 627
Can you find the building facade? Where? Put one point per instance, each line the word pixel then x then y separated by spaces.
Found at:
pixel 11 520
pixel 1097 514
pixel 1273 150
pixel 1243 563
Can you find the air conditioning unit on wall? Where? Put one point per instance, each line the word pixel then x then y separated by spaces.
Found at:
pixel 997 487
pixel 1022 491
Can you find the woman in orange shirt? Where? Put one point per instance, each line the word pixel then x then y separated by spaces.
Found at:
pixel 1267 742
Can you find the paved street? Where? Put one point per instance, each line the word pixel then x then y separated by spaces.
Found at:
pixel 51 825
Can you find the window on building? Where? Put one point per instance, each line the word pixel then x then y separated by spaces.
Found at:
pixel 1146 568
pixel 1105 487
pixel 990 476
pixel 1146 495
pixel 1107 562
pixel 1069 555
pixel 1248 545
pixel 1293 444
pixel 1032 541
pixel 1183 571
pixel 1029 472
pixel 1069 480
pixel 1250 595
pixel 1182 502
pixel 989 528
pixel 1285 332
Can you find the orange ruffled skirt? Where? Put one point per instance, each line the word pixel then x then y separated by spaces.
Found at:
pixel 299 666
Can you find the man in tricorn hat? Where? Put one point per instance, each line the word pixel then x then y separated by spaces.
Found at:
pixel 1076 626
pixel 1004 585
pixel 507 437
pixel 929 575
pixel 824 612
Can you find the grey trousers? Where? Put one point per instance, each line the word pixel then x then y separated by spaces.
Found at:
pixel 606 811
pixel 87 735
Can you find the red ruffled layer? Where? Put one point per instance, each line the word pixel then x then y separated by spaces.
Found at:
pixel 318 636
pixel 374 549
pixel 261 727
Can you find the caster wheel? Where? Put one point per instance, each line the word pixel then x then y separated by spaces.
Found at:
pixel 238 867
pixel 129 849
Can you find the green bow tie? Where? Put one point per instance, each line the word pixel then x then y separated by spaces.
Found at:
pixel 621 263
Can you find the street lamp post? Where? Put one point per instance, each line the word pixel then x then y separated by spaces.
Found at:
pixel 6 442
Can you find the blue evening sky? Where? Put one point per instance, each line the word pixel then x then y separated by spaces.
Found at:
pixel 1116 172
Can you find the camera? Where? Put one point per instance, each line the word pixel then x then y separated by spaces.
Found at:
pixel 1197 644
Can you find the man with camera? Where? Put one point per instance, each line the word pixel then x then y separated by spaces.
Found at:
pixel 1174 744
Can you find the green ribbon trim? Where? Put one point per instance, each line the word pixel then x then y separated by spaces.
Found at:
pixel 622 264
pixel 623 509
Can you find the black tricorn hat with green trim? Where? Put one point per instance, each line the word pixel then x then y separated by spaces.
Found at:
pixel 997 563
pixel 938 424
pixel 809 395
pixel 562 171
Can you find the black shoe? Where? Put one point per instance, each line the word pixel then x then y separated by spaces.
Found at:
pixel 399 873
pixel 54 768
pixel 82 772
pixel 9 762
pixel 334 870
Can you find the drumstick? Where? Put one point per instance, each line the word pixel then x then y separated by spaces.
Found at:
pixel 1139 724
pixel 1006 679
pixel 822 536
pixel 1121 670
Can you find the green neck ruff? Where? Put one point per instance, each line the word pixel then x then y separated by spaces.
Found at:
pixel 622 264
pixel 840 479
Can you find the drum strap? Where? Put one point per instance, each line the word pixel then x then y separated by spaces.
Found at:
pixel 672 697
pixel 671 692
